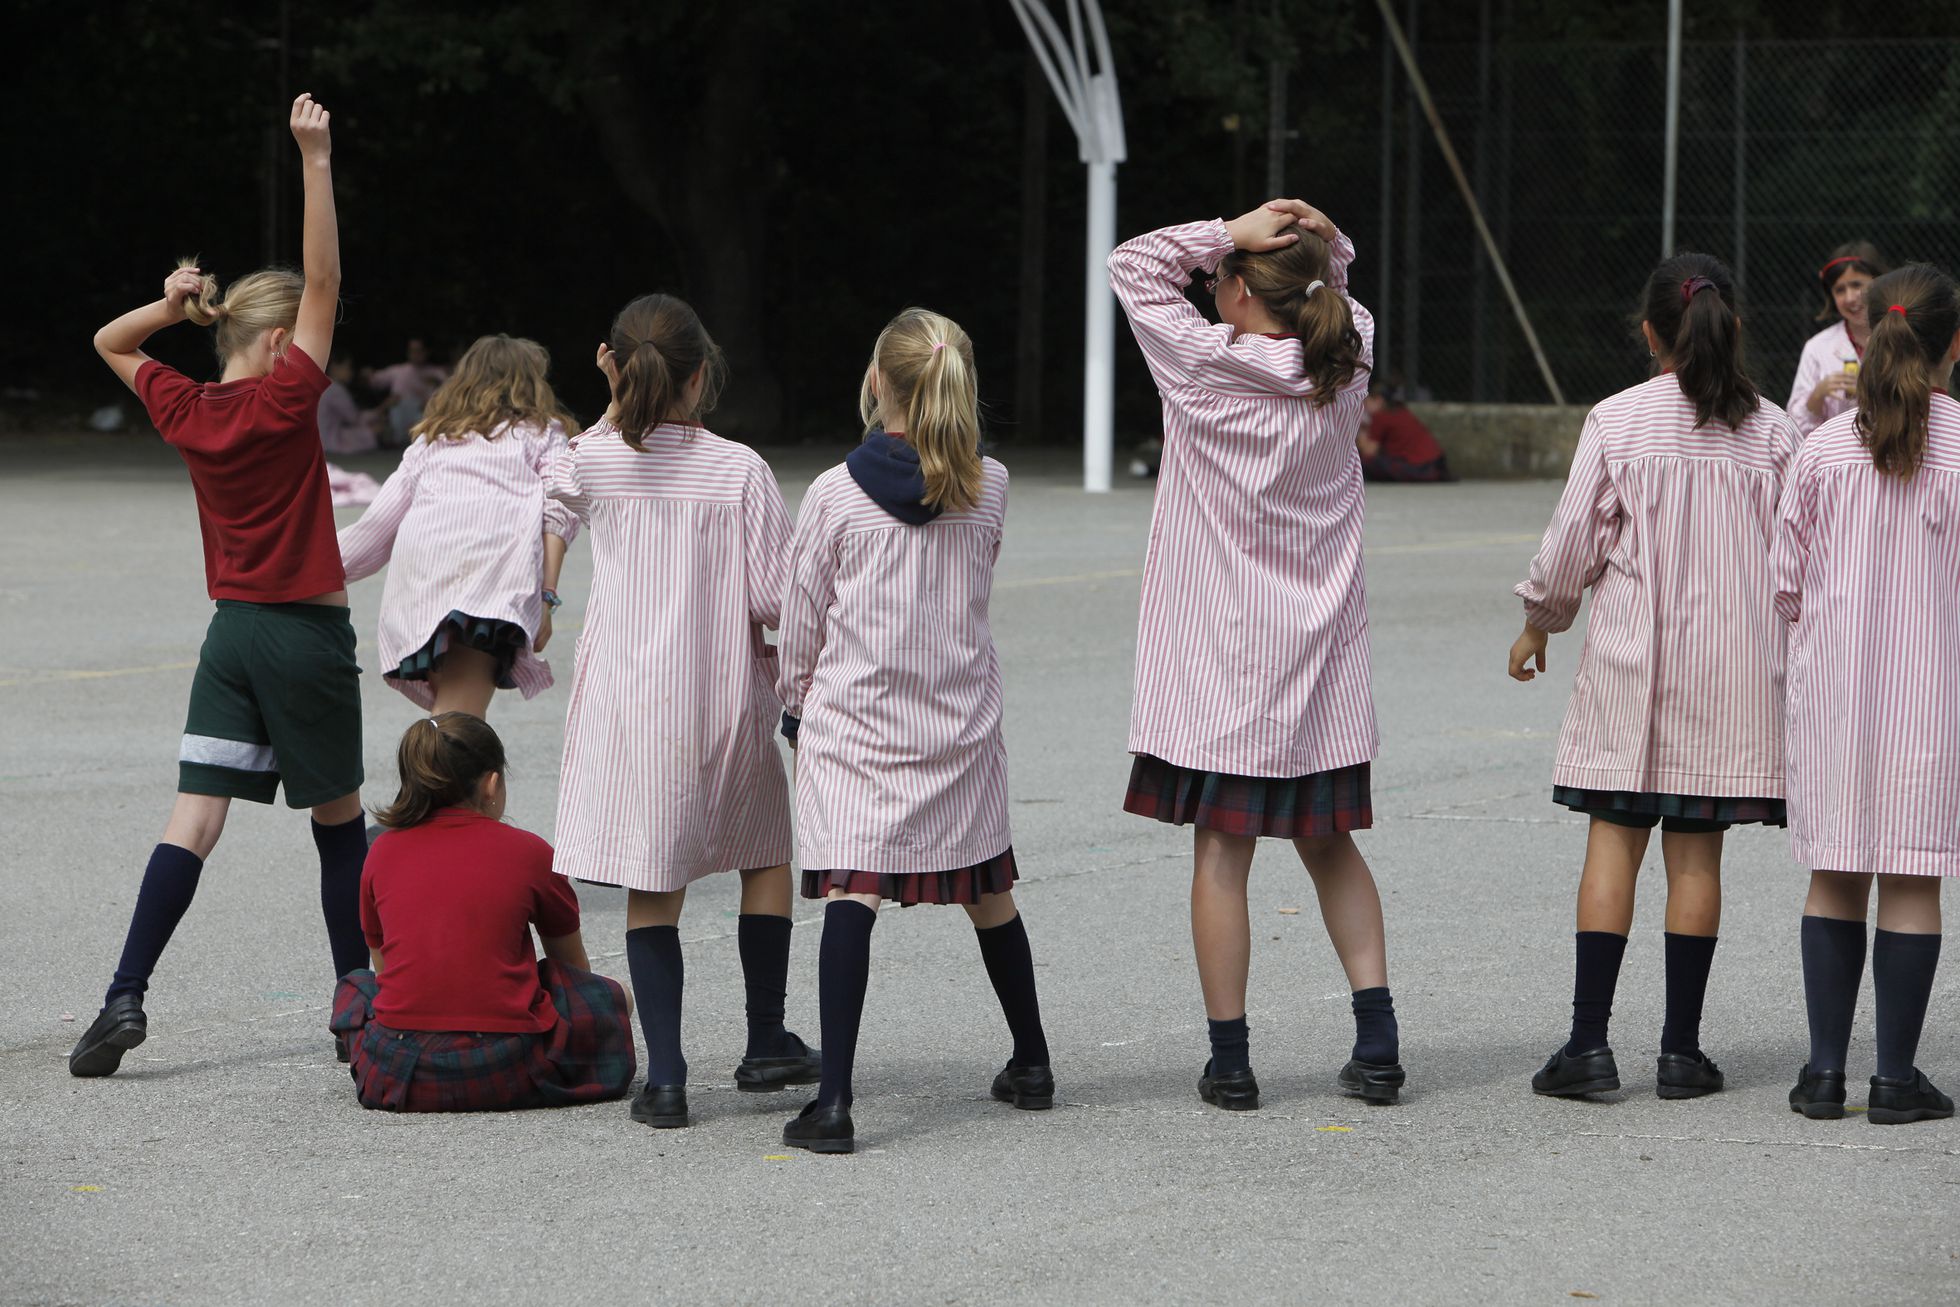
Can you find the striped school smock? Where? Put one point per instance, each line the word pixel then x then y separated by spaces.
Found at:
pixel 1252 644
pixel 888 660
pixel 463 523
pixel 1680 683
pixel 1826 352
pixel 671 769
pixel 1867 571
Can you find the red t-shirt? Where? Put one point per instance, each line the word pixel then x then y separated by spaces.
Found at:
pixel 1402 435
pixel 451 903
pixel 263 503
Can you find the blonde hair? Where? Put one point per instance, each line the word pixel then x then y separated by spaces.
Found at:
pixel 499 380
pixel 254 305
pixel 658 344
pixel 925 365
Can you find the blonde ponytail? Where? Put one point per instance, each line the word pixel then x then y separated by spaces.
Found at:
pixel 924 361
pixel 254 305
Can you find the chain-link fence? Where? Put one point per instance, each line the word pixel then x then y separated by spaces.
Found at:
pixel 1786 150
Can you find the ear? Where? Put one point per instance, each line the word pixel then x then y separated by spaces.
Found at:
pixel 1953 351
pixel 1653 340
pixel 276 340
pixel 489 788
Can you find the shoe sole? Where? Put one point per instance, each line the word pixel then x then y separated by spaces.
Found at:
pixel 1819 1111
pixel 1905 1116
pixel 1603 1085
pixel 832 1146
pixel 105 1057
pixel 1686 1091
pixel 1026 1102
pixel 664 1122
pixel 766 1082
pixel 1373 1095
pixel 1232 1103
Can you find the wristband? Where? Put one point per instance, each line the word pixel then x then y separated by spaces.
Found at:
pixel 551 599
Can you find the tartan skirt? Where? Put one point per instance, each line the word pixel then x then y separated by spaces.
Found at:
pixel 502 640
pixel 586 1058
pixel 906 888
pixel 1692 812
pixel 1319 803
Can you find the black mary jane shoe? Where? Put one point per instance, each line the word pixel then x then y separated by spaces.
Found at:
pixel 1377 1083
pixel 1819 1095
pixel 1030 1088
pixel 798 1064
pixel 1905 1100
pixel 1569 1075
pixel 1234 1091
pixel 664 1107
pixel 119 1027
pixel 1683 1075
pixel 821 1128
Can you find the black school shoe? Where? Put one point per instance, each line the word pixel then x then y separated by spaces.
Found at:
pixel 1371 1082
pixel 664 1107
pixel 821 1129
pixel 1684 1076
pixel 1235 1091
pixel 1819 1095
pixel 802 1065
pixel 1905 1100
pixel 1569 1075
pixel 1030 1088
pixel 119 1027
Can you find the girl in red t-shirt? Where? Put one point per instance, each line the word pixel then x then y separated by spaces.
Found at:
pixel 458 1013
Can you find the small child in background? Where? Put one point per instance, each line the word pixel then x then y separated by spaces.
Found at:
pixel 344 428
pixel 475 543
pixel 408 386
pixel 458 1014
pixel 1867 572
pixel 892 696
pixel 1394 443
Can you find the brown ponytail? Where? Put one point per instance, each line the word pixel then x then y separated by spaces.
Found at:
pixel 1690 304
pixel 659 344
pixel 925 363
pixel 1896 377
pixel 1284 280
pixel 442 760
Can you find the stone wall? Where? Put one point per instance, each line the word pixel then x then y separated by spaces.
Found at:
pixel 1505 441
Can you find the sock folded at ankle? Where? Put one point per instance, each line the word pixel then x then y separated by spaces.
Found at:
pixel 1689 958
pixel 1010 965
pixel 343 852
pixel 843 972
pixel 1231 1046
pixel 1902 982
pixel 653 960
pixel 1596 975
pixel 1833 968
pixel 169 883
pixel 1377 1039
pixel 763 942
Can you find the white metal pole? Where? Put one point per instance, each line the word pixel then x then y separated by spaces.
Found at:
pixel 1099 333
pixel 1673 125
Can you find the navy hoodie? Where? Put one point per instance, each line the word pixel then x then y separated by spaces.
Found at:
pixel 887 469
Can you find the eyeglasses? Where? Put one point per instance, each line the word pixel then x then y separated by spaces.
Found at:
pixel 1211 283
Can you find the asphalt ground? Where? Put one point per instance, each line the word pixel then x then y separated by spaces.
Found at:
pixel 229 1163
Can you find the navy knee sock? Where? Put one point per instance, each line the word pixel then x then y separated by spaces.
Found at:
pixel 653 960
pixel 1010 965
pixel 1902 981
pixel 1377 1039
pixel 1231 1046
pixel 343 852
pixel 169 882
pixel 763 942
pixel 1596 975
pixel 1688 959
pixel 1833 967
pixel 843 972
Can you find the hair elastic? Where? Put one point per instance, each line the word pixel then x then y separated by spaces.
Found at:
pixel 938 345
pixel 1313 286
pixel 1899 309
pixel 432 721
pixel 1694 286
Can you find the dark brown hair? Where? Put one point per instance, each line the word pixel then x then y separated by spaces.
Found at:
pixel 441 760
pixel 1895 381
pixel 1690 303
pixel 1283 279
pixel 659 344
pixel 1861 255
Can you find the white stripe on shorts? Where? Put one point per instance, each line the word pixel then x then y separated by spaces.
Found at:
pixel 238 755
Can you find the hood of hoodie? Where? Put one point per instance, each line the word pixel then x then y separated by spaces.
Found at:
pixel 887 469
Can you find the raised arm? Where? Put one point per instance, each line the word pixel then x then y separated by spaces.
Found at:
pixel 319 302
pixel 807 596
pixel 120 343
pixel 366 544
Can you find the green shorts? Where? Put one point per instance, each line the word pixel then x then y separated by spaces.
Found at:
pixel 277 696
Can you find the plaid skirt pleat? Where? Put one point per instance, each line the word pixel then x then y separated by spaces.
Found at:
pixel 1319 803
pixel 964 885
pixel 1691 807
pixel 502 640
pixel 587 1057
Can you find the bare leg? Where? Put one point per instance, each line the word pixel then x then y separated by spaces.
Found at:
pixel 465 681
pixel 1350 907
pixel 992 910
pixel 1909 905
pixel 1221 932
pixel 1839 895
pixel 198 820
pixel 1613 855
pixel 766 891
pixel 1694 883
pixel 338 812
pixel 651 908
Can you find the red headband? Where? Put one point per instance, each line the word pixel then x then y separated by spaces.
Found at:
pixel 1899 309
pixel 1847 258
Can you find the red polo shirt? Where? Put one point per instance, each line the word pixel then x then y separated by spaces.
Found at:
pixel 1402 435
pixel 451 903
pixel 260 476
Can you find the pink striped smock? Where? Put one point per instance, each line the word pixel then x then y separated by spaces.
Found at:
pixel 463 522
pixel 888 658
pixel 1830 350
pixel 671 768
pixel 1867 570
pixel 1252 646
pixel 1680 684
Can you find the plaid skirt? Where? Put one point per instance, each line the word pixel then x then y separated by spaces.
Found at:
pixel 964 885
pixel 586 1058
pixel 1682 812
pixel 1319 803
pixel 501 640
